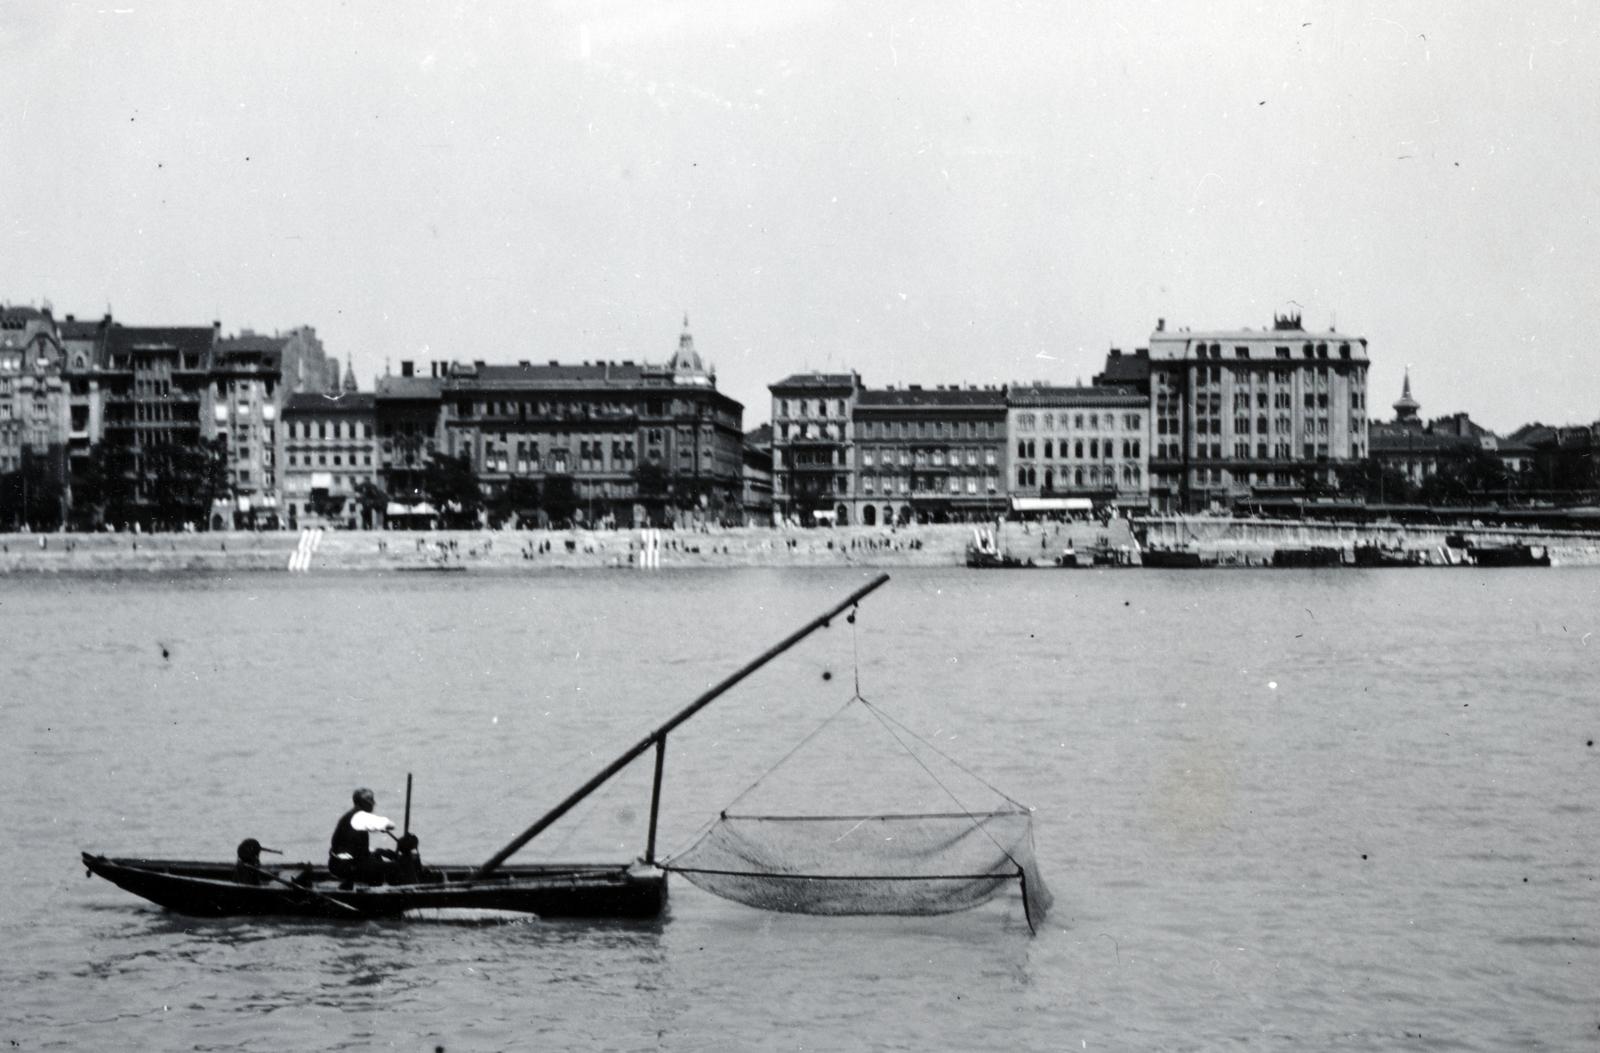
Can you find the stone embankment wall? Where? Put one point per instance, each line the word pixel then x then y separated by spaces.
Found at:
pixel 1235 542
pixel 1248 542
pixel 509 551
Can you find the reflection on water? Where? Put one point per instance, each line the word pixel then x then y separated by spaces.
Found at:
pixel 1300 808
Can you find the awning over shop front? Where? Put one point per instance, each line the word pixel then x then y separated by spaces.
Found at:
pixel 422 508
pixel 1051 504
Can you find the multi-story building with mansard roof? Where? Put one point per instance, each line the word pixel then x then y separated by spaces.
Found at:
pixel 1253 413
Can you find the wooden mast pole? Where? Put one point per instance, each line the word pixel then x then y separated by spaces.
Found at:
pixel 660 733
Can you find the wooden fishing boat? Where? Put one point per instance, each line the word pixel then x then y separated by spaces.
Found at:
pixel 210 890
pixel 604 890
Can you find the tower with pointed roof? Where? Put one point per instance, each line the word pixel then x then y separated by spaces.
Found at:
pixel 1406 407
pixel 349 387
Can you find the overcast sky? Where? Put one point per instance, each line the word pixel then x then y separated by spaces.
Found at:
pixel 921 192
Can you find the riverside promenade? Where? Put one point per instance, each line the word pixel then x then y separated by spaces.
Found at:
pixel 1232 542
pixel 497 551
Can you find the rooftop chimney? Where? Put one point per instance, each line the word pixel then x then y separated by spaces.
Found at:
pixel 406 367
pixel 1161 325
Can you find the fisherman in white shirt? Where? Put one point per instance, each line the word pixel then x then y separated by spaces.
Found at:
pixel 350 858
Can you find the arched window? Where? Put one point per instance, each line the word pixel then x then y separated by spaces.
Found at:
pixel 1049 478
pixel 1047 450
pixel 1022 449
pixel 1022 475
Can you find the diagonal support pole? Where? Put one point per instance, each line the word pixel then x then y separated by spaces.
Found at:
pixel 660 733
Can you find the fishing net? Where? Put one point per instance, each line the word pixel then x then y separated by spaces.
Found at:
pixel 865 817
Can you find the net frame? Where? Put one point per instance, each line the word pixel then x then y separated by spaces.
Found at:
pixel 757 875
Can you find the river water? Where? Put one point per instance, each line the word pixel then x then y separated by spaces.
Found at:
pixel 1310 809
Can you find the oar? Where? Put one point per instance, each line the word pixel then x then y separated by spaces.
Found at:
pixel 407 828
pixel 269 875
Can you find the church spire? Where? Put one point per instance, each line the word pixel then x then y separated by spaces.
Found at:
pixel 1406 407
pixel 349 387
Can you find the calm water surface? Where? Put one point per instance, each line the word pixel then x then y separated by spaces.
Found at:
pixel 1323 810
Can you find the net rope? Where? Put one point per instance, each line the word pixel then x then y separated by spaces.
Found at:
pixel 788 850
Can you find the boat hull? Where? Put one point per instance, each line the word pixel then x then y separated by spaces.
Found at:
pixel 1375 556
pixel 207 890
pixel 1511 556
pixel 1316 556
pixel 977 560
pixel 1172 559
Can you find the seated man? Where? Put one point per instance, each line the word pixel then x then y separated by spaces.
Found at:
pixel 349 857
pixel 247 868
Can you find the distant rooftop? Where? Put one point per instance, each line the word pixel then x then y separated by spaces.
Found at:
pixel 1076 395
pixel 915 395
pixel 814 380
pixel 352 403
